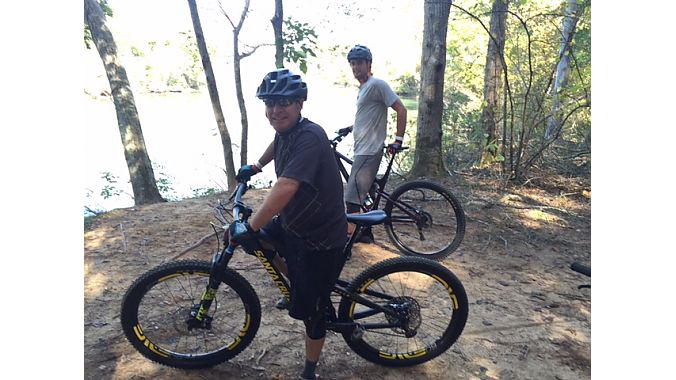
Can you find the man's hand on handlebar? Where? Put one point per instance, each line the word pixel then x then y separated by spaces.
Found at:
pixel 238 230
pixel 345 131
pixel 245 172
pixel 394 147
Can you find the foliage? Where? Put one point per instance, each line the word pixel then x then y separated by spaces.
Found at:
pixel 463 92
pixel 110 188
pixel 202 192
pixel 531 55
pixel 169 65
pixel 407 85
pixel 164 182
pixel 299 42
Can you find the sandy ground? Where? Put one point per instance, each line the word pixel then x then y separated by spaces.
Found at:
pixel 527 318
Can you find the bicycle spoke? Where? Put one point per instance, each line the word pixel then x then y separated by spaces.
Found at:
pixel 423 221
pixel 415 290
pixel 167 308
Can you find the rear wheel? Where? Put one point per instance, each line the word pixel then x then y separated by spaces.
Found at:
pixel 429 311
pixel 156 311
pixel 426 220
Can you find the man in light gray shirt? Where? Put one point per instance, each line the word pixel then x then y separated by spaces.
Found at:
pixel 370 130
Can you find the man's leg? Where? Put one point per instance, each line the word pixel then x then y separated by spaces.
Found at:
pixel 364 170
pixel 313 349
pixel 351 208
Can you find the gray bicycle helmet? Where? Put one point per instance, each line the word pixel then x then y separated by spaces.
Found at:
pixel 282 83
pixel 359 52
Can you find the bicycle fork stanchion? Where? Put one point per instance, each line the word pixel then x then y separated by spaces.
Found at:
pixel 198 313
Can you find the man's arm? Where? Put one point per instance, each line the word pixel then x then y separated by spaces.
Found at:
pixel 399 107
pixel 267 156
pixel 281 193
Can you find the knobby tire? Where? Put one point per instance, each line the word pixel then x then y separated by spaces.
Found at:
pixel 438 233
pixel 430 299
pixel 157 305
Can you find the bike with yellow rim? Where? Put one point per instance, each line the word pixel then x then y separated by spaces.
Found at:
pixel 195 314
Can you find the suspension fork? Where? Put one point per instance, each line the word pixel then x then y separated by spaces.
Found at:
pixel 218 265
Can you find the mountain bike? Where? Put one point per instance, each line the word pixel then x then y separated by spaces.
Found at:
pixel 425 219
pixel 194 314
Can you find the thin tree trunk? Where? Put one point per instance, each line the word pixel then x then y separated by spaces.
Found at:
pixel 428 160
pixel 213 94
pixel 492 81
pixel 277 28
pixel 237 57
pixel 562 69
pixel 139 165
pixel 242 106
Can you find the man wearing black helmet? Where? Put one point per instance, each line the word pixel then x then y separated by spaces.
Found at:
pixel 308 199
pixel 370 130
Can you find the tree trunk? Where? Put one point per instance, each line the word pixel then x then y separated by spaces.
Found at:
pixel 428 161
pixel 492 82
pixel 562 69
pixel 242 107
pixel 213 94
pixel 277 28
pixel 140 167
pixel 237 57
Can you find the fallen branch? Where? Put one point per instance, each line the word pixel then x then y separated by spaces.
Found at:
pixel 199 242
pixel 258 359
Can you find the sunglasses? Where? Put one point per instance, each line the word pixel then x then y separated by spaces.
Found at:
pixel 282 102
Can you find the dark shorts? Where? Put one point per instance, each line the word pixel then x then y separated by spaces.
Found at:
pixel 312 273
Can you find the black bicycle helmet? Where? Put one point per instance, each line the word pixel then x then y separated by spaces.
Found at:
pixel 282 83
pixel 359 52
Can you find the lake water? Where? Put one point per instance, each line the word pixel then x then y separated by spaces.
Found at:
pixel 183 143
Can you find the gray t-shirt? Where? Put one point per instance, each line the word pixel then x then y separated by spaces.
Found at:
pixel 370 123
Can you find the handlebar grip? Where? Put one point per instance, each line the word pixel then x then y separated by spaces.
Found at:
pixel 581 268
pixel 344 131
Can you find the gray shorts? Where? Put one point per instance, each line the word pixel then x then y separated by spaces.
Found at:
pixel 364 170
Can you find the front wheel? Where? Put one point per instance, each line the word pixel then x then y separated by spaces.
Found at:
pixel 426 307
pixel 426 220
pixel 156 315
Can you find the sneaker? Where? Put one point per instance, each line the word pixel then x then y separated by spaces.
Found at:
pixel 366 237
pixel 282 303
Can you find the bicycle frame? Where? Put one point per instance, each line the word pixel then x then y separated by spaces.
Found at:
pixel 377 191
pixel 264 247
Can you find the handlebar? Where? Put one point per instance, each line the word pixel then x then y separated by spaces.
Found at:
pixel 343 132
pixel 240 190
pixel 340 134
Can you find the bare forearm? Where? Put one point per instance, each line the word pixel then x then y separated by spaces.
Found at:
pixel 399 107
pixel 268 155
pixel 280 195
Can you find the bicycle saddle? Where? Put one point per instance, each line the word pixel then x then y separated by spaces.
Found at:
pixel 368 218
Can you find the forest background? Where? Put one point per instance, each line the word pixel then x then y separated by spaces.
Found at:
pixel 42 158
pixel 161 59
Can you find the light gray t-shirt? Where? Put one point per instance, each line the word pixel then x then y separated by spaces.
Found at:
pixel 370 123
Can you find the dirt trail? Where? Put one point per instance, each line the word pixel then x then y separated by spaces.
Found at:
pixel 527 319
